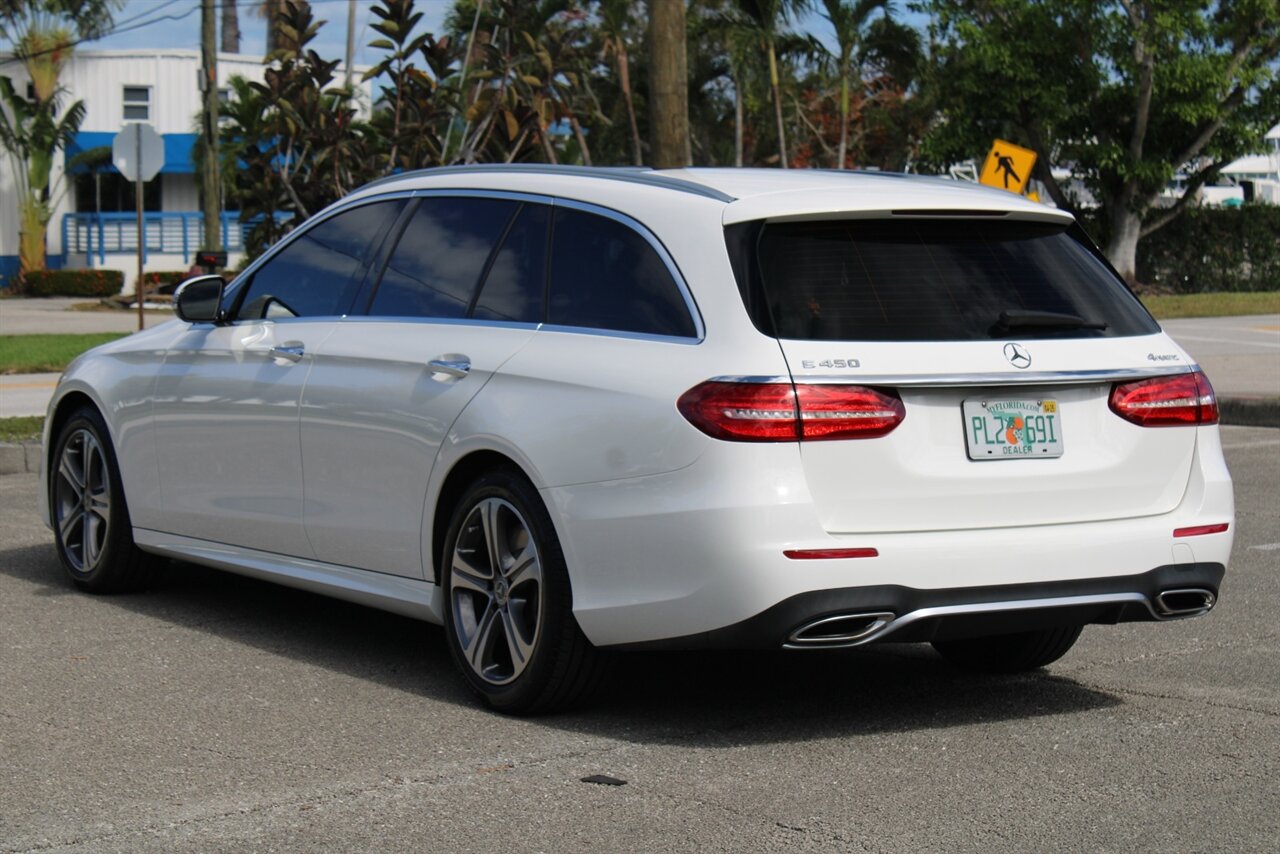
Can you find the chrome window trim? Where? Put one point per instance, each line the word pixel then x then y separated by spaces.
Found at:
pixel 341 206
pixel 439 321
pixel 700 332
pixel 618 333
pixel 960 380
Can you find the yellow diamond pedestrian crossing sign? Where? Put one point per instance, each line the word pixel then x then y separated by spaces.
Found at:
pixel 1008 166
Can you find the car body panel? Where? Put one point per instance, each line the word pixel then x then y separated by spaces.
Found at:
pixel 226 433
pixel 374 415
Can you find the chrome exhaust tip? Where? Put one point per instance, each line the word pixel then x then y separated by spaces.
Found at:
pixel 840 630
pixel 1185 602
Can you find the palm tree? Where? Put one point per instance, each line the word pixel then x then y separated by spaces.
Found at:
pixel 865 30
pixel 43 34
pixel 767 20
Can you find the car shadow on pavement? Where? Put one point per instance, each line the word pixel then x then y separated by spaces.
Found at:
pixel 705 699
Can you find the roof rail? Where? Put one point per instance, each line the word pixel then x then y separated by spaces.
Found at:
pixel 630 174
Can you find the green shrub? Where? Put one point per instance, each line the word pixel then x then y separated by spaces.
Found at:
pixel 74 283
pixel 1215 249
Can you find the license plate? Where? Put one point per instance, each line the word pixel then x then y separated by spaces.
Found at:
pixel 1012 428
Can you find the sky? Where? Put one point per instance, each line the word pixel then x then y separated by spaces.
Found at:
pixel 176 24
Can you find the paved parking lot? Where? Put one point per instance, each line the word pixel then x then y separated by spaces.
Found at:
pixel 220 713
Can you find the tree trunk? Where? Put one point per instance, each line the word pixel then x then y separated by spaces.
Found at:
pixel 1122 248
pixel 31 233
pixel 624 79
pixel 668 84
pixel 844 117
pixel 777 105
pixel 230 27
pixel 270 9
pixel 738 110
pixel 581 138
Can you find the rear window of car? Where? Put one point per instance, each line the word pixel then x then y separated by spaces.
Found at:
pixel 929 280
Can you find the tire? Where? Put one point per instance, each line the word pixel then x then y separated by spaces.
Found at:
pixel 511 630
pixel 1015 653
pixel 91 525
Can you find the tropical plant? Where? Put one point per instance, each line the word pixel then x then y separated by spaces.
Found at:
pixel 768 21
pixel 43 34
pixel 616 22
pixel 414 103
pixel 296 142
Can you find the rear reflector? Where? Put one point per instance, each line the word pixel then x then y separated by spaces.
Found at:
pixel 829 554
pixel 1200 530
pixel 781 412
pixel 1180 400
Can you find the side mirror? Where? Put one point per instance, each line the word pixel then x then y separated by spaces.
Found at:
pixel 199 299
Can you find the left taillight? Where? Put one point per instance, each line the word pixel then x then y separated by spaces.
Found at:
pixel 1179 400
pixel 782 412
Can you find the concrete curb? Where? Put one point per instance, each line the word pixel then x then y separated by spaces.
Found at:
pixel 20 457
pixel 24 457
pixel 1250 411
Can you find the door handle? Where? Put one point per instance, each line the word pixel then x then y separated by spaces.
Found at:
pixel 458 368
pixel 292 352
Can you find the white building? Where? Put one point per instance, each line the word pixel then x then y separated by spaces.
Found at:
pixel 94 221
pixel 1261 170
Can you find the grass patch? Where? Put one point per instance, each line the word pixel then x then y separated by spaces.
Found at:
pixel 1212 305
pixel 37 354
pixel 23 428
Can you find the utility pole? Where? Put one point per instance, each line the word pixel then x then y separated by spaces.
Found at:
pixel 668 84
pixel 351 42
pixel 209 184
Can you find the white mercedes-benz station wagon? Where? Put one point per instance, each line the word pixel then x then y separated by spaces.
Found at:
pixel 563 411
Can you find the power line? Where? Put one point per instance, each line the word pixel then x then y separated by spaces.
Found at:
pixel 123 26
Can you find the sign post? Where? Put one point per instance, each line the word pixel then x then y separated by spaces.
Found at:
pixel 138 153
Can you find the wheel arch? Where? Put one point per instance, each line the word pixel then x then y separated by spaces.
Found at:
pixel 465 470
pixel 69 403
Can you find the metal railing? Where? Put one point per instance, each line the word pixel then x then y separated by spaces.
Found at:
pixel 165 232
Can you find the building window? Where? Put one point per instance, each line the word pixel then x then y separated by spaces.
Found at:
pixel 109 192
pixel 137 103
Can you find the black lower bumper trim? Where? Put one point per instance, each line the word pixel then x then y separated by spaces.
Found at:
pixel 770 628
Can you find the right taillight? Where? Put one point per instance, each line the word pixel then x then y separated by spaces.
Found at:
pixel 1179 400
pixel 781 412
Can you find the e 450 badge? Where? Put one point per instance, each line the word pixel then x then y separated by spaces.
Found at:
pixel 832 363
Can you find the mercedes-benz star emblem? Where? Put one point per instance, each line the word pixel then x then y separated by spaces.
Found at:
pixel 1017 355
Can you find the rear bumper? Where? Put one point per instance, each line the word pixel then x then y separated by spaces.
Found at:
pixel 670 558
pixel 887 613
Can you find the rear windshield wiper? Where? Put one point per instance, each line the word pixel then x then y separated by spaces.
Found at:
pixel 1020 318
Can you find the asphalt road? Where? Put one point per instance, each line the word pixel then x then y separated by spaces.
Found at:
pixel 219 713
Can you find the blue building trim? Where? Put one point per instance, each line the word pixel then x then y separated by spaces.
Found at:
pixel 179 150
pixel 8 270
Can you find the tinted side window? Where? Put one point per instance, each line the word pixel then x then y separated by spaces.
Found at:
pixel 317 275
pixel 606 276
pixel 437 264
pixel 513 289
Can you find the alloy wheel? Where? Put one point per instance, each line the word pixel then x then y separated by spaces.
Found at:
pixel 495 585
pixel 82 500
